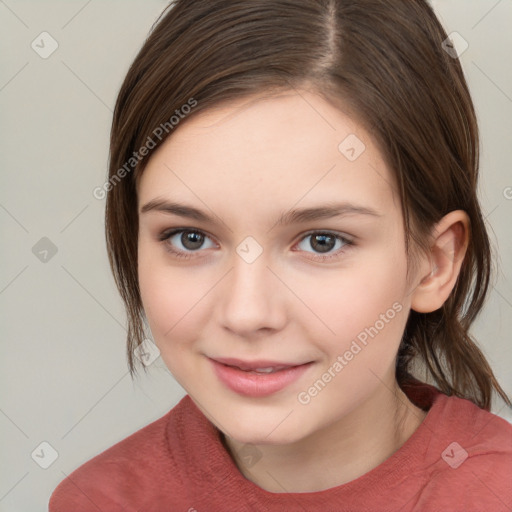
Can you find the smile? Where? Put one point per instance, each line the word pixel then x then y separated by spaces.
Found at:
pixel 257 378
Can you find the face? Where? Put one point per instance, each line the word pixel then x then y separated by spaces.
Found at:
pixel 271 239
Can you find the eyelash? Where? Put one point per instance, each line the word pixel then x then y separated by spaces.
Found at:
pixel 166 235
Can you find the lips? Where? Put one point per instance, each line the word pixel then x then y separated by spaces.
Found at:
pixel 259 377
pixel 263 365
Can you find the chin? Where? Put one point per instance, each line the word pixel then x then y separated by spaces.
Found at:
pixel 271 430
pixel 261 438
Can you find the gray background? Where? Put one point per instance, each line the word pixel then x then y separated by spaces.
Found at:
pixel 63 372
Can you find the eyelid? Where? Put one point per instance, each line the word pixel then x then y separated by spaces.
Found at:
pixel 336 234
pixel 166 233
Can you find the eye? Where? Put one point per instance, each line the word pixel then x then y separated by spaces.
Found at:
pixel 184 242
pixel 322 242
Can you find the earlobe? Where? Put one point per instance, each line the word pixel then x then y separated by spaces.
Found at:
pixel 440 270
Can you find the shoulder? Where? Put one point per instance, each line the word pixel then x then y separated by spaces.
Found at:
pixel 113 479
pixel 469 458
pixel 482 431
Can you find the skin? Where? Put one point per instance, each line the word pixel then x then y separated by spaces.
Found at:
pixel 245 164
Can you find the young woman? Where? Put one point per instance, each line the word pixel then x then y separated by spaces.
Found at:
pixel 292 213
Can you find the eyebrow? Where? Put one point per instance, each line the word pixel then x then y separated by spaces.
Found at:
pixel 290 217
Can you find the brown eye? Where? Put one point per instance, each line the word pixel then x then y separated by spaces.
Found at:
pixel 319 243
pixel 186 241
pixel 322 243
pixel 192 240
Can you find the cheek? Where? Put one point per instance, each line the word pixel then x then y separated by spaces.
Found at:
pixel 167 300
pixel 172 298
pixel 364 302
pixel 159 300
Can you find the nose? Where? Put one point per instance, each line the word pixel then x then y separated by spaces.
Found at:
pixel 252 299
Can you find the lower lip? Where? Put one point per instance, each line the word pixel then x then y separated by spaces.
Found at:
pixel 257 385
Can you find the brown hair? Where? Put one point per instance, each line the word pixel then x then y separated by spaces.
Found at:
pixel 381 59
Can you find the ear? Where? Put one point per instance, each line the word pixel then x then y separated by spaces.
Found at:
pixel 441 267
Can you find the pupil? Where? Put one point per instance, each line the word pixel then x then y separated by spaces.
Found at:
pixel 325 243
pixel 191 240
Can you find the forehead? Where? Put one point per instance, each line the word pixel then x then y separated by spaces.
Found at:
pixel 281 150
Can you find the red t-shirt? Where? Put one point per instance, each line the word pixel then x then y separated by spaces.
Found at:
pixel 458 459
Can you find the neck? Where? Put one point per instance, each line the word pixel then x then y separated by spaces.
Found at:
pixel 338 453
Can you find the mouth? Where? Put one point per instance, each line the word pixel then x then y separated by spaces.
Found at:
pixel 261 366
pixel 257 378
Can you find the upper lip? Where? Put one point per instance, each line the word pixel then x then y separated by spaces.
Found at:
pixel 253 365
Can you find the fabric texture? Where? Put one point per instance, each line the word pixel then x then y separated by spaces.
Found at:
pixel 458 459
